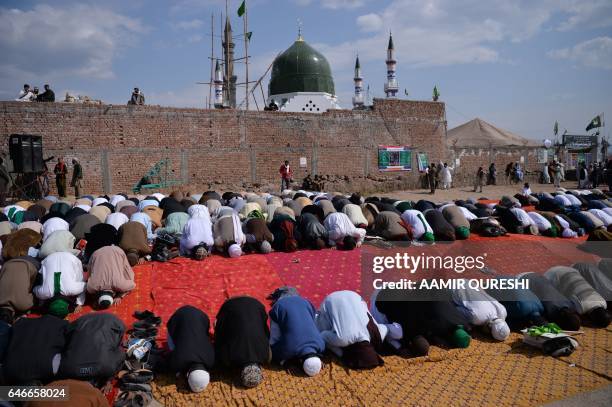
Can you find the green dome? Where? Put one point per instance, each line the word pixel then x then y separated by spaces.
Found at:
pixel 300 69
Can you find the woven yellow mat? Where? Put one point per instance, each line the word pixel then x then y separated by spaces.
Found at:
pixel 487 373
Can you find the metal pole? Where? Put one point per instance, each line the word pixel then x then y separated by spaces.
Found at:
pixel 212 56
pixel 263 95
pixel 246 52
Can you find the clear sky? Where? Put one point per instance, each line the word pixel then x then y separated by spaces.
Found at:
pixel 518 64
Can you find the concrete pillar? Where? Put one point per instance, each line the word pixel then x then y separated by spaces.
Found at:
pixel 184 166
pixel 253 162
pixel 315 159
pixel 107 180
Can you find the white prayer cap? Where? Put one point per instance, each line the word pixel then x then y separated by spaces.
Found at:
pixel 105 298
pixel 499 329
pixel 235 251
pixel 198 380
pixel 266 247
pixel 312 366
pixel 567 232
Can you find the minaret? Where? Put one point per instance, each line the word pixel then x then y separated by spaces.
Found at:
pixel 391 86
pixel 228 52
pixel 358 101
pixel 218 86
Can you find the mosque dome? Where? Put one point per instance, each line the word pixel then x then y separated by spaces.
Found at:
pixel 301 69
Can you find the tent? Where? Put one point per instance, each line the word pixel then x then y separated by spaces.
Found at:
pixel 480 134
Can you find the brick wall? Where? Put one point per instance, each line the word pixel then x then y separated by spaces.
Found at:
pixel 117 145
pixel 471 158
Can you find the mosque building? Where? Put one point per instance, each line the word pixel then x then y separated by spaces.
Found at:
pixel 301 81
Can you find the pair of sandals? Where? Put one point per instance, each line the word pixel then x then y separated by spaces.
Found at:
pixel 146 327
pixel 135 389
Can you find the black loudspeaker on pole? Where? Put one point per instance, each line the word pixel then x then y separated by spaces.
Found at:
pixel 26 152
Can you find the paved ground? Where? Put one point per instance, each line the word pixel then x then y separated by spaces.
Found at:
pixel 489 191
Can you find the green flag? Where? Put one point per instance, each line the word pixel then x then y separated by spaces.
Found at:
pixel 248 35
pixel 436 94
pixel 242 8
pixel 556 128
pixel 595 123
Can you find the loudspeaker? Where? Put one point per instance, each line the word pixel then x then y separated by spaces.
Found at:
pixel 26 152
pixel 37 154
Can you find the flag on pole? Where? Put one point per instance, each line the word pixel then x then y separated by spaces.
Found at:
pixel 242 8
pixel 595 123
pixel 248 35
pixel 436 94
pixel 556 128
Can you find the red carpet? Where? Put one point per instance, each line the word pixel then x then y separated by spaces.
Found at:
pixel 316 273
pixel 164 287
pixel 207 284
pixel 139 299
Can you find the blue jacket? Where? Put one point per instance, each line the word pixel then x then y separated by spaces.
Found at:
pixel 300 337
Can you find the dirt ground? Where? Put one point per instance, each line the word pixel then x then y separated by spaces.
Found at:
pixel 488 191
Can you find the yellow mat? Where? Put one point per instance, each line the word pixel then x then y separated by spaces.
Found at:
pixel 487 373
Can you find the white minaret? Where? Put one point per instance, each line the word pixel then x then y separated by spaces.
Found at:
pixel 358 101
pixel 391 86
pixel 218 86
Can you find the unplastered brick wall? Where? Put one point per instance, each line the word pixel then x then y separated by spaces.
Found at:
pixel 472 158
pixel 117 145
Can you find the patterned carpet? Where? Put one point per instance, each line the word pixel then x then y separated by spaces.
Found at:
pixel 487 373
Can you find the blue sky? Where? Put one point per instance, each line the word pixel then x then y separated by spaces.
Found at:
pixel 518 64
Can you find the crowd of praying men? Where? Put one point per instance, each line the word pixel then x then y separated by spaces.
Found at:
pixel 58 255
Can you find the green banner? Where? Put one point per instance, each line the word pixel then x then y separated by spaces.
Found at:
pixel 394 159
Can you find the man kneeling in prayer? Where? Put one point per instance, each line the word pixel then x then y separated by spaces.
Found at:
pixel 191 351
pixel 341 231
pixel 293 333
pixel 425 316
pixel 63 285
pixel 242 338
pixel 228 235
pixel 197 237
pixel 589 303
pixel 483 310
pixel 111 276
pixel 350 331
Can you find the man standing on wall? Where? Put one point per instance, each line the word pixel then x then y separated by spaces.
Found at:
pixel 286 175
pixel 60 172
pixel 137 98
pixel 77 178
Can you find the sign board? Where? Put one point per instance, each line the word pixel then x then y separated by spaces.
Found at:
pixel 423 161
pixel 542 156
pixel 522 160
pixel 457 162
pixel 394 158
pixel 579 141
pixel 303 162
